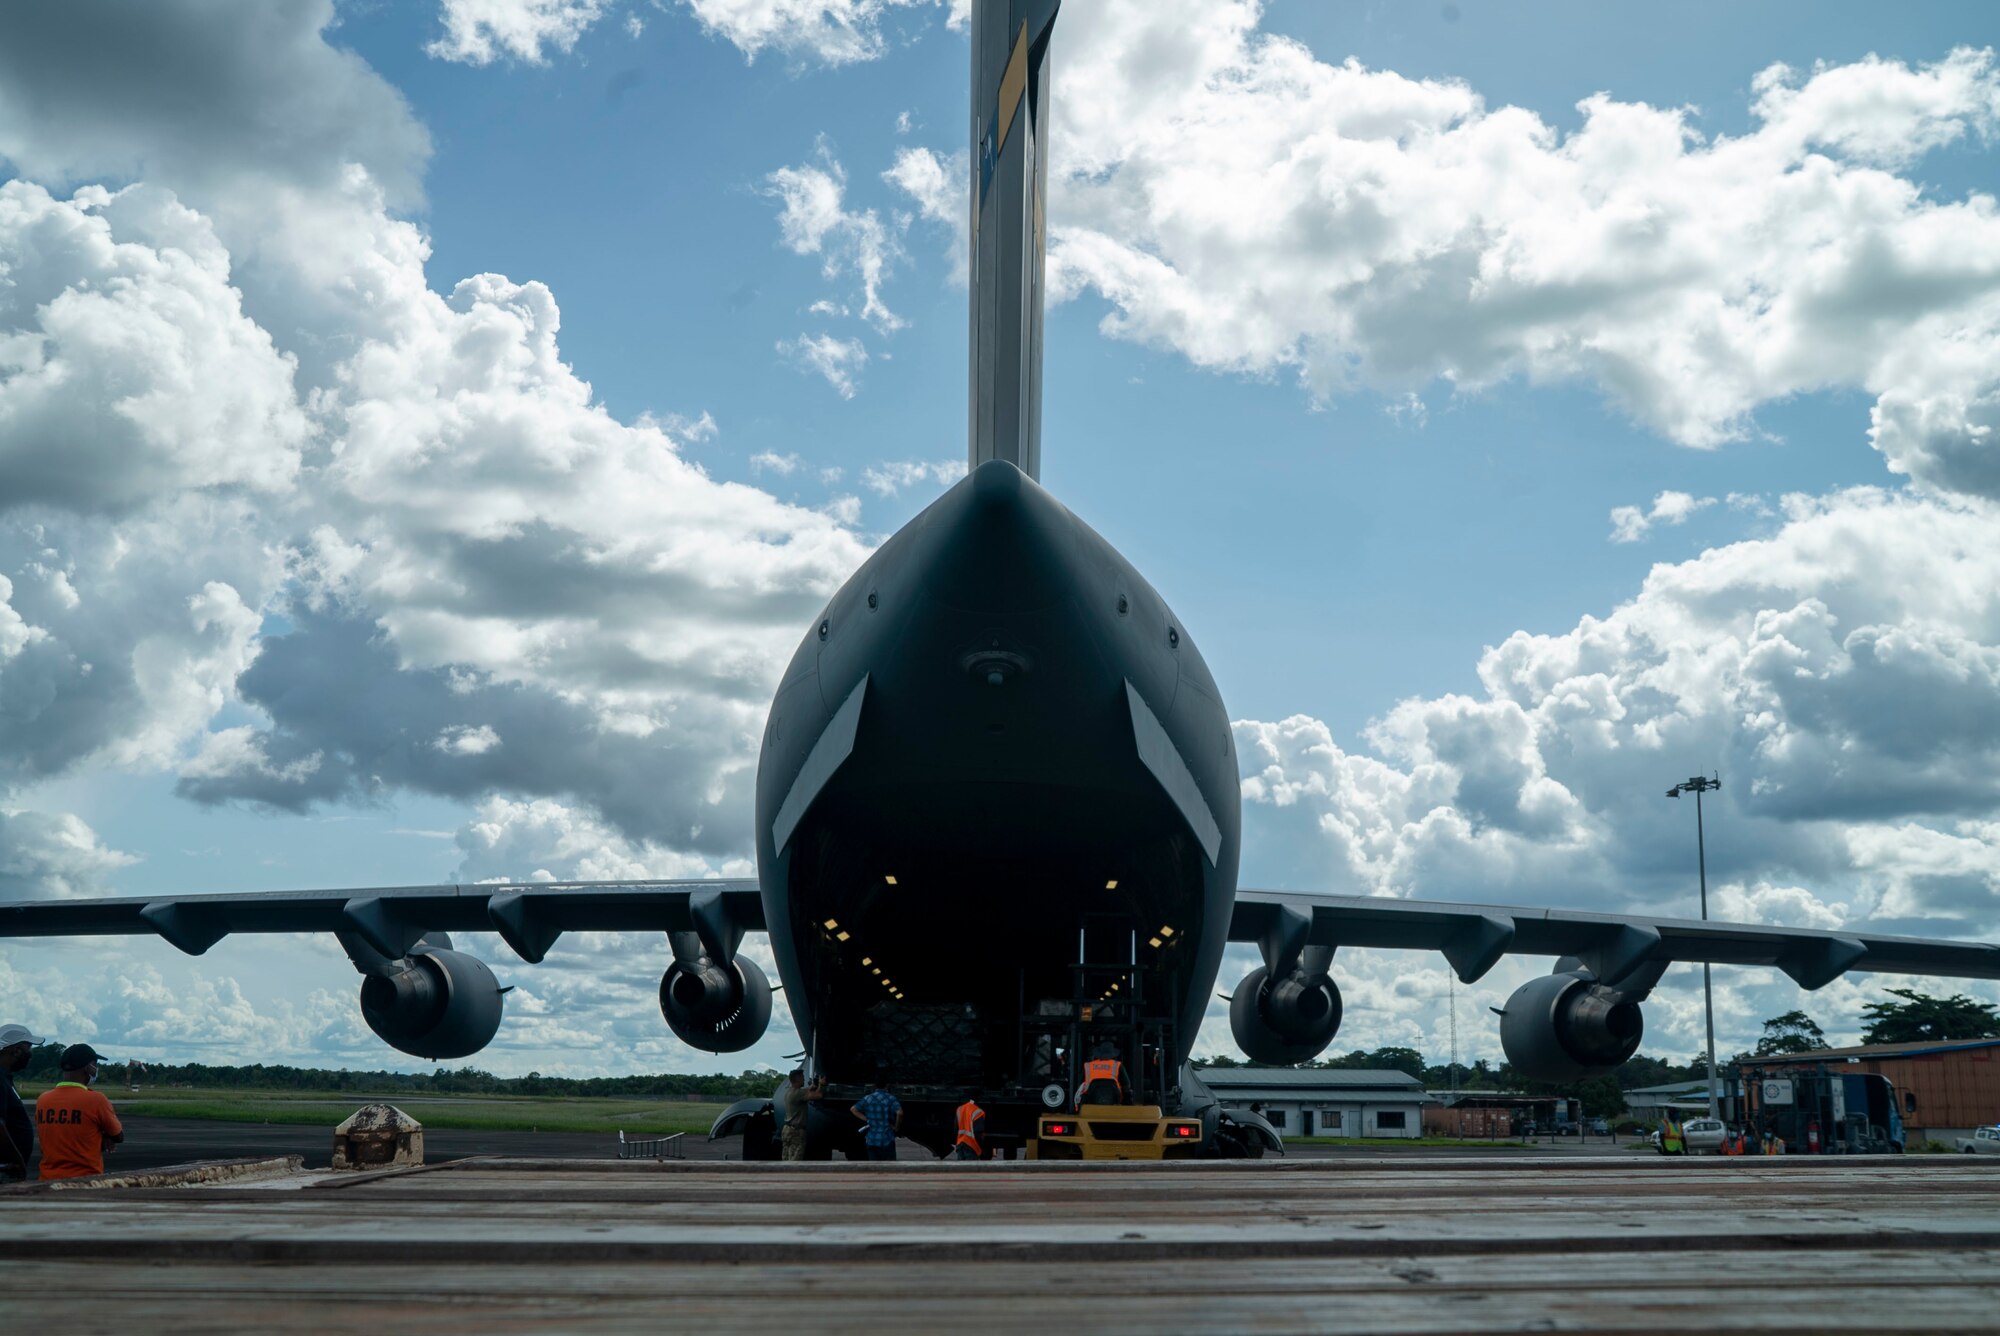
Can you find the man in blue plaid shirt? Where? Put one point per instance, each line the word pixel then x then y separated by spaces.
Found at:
pixel 881 1115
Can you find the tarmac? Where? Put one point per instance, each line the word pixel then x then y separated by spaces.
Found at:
pixel 1359 1243
pixel 153 1142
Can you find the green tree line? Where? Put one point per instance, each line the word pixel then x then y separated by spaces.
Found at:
pixel 43 1064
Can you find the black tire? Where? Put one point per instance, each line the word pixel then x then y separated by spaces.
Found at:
pixel 1234 1144
pixel 760 1140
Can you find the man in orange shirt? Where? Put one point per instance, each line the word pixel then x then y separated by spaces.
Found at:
pixel 971 1132
pixel 75 1123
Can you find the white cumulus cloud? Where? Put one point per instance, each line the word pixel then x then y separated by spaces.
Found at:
pixel 887 479
pixel 1629 524
pixel 837 361
pixel 813 220
pixel 127 365
pixel 939 183
pixel 1229 195
pixel 1842 675
pixel 433 503
pixel 834 32
pixel 52 854
pixel 770 461
pixel 479 32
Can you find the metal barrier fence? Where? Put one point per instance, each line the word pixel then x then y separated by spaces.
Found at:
pixel 649 1148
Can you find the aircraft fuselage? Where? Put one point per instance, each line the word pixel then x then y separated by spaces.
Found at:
pixel 966 773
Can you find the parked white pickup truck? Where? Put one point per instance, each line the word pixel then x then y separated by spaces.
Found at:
pixel 1985 1141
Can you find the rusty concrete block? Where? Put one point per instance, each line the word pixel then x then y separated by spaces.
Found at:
pixel 380 1136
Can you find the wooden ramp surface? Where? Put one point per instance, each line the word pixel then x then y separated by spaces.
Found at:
pixel 1389 1244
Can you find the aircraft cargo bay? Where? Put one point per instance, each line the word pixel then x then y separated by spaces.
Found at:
pixel 1367 1243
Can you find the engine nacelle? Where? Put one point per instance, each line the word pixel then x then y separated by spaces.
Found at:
pixel 1286 1021
pixel 433 1003
pixel 716 1008
pixel 1564 1027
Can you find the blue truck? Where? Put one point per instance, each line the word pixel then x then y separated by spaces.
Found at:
pixel 1823 1110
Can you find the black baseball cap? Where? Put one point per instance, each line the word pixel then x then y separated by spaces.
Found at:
pixel 78 1056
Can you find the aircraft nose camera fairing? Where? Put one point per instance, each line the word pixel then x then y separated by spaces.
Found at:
pixel 998 820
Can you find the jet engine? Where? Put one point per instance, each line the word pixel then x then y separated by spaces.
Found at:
pixel 1286 1020
pixel 434 1002
pixel 1567 1026
pixel 719 1008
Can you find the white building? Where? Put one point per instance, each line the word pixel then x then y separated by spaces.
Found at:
pixel 1325 1102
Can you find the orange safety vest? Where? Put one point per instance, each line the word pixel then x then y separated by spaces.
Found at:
pixel 1103 1069
pixel 969 1113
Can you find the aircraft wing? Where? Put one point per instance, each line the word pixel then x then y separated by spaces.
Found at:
pixel 529 916
pixel 1473 937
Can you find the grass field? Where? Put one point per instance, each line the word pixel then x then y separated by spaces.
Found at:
pixel 500 1113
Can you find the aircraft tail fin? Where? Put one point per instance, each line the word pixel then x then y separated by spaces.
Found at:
pixel 1010 173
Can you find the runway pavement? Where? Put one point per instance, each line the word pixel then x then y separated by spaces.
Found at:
pixel 153 1142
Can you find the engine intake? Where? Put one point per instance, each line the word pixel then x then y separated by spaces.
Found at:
pixel 1286 1021
pixel 433 1003
pixel 1565 1027
pixel 716 1008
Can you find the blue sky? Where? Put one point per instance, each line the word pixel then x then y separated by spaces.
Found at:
pixel 1371 433
pixel 647 216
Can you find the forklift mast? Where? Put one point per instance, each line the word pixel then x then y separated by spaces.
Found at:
pixel 1110 1004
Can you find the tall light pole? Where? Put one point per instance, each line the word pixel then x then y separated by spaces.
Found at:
pixel 1699 785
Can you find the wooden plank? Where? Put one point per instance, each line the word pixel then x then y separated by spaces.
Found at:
pixel 1634 1243
pixel 1705 1291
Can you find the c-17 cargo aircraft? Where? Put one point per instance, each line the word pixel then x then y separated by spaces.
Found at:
pixel 998 819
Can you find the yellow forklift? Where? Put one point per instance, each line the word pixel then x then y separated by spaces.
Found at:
pixel 1107 1020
